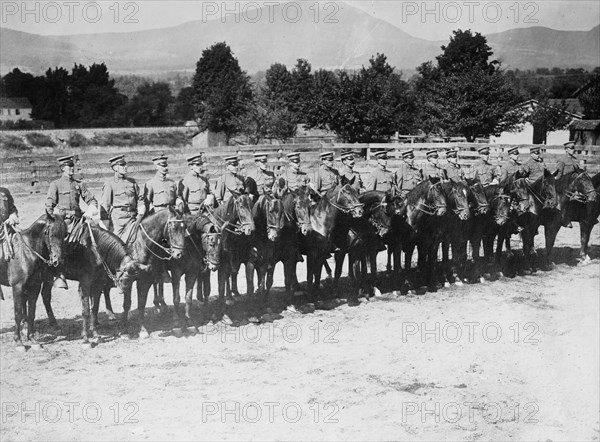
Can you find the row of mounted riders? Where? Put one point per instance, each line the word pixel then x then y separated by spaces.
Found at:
pixel 260 231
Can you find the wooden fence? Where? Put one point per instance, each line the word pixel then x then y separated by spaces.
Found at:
pixel 31 172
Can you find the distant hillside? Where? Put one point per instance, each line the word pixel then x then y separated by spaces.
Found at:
pixel 346 44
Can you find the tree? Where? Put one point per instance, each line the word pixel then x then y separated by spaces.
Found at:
pixel 546 118
pixel 466 93
pixel 590 97
pixel 151 105
pixel 184 105
pixel 222 92
pixel 52 97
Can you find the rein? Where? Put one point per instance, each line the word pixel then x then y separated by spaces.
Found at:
pixel 168 251
pixel 431 209
pixel 224 224
pixel 97 253
pixel 343 209
pixel 46 261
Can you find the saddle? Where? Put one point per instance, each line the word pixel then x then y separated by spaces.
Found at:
pixel 7 251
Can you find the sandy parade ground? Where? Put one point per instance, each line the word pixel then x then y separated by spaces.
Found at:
pixel 510 359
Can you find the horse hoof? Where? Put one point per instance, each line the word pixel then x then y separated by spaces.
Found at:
pixel 446 284
pixel 144 334
pixel 253 320
pixel 376 292
pixel 226 320
pixel 192 330
pixel 458 282
pixel 481 279
pixel 20 348
pixel 86 345
pixel 178 332
pixel 291 309
pixel 36 346
pixel 111 316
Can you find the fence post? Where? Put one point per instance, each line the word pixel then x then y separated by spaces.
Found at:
pixel 368 154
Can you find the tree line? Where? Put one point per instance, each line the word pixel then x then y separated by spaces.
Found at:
pixel 464 92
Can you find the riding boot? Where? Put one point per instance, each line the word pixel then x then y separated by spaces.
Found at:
pixel 60 282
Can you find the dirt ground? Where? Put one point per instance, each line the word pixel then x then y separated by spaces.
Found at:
pixel 512 359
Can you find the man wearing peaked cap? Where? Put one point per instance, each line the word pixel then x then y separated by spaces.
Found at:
pixel 432 167
pixel 63 198
pixel 484 169
pixel 409 175
pixel 347 173
pixel 194 188
pixel 569 162
pixel 265 179
pixel 534 167
pixel 512 165
pixel 453 170
pixel 327 176
pixel 230 182
pixel 291 176
pixel 160 191
pixel 381 178
pixel 122 201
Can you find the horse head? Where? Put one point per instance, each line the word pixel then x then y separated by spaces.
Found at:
pixel 54 235
pixel 268 212
pixel 476 197
pixel 211 244
pixel 302 204
pixel 174 233
pixel 243 212
pixel 500 205
pixel 518 190
pixel 582 185
pixel 128 272
pixel 548 190
pixel 378 209
pixel 345 199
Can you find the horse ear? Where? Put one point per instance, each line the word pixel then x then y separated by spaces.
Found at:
pixel 555 174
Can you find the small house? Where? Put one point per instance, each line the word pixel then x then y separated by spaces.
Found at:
pixel 15 109
pixel 585 132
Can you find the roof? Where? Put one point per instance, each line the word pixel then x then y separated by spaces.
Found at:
pixel 15 103
pixel 585 125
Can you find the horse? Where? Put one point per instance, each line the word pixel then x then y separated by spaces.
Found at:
pixel 233 218
pixel 455 229
pixel 576 195
pixel 477 223
pixel 362 238
pixel 97 257
pixel 159 237
pixel 36 247
pixel 296 224
pixel 268 216
pixel 201 256
pixel 418 224
pixel 324 215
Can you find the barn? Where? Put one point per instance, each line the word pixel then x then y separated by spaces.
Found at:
pixel 15 109
pixel 585 132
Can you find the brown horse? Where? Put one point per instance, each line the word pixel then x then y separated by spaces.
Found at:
pixel 35 248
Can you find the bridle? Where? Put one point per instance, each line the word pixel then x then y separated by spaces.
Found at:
pixel 429 209
pixel 343 209
pixel 296 220
pixel 575 195
pixel 224 225
pixel 170 251
pixel 379 226
pixel 502 196
pixel 46 234
pixel 458 211
pixel 480 207
pixel 268 206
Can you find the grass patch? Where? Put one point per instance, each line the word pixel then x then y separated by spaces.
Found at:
pixel 37 139
pixel 14 143
pixel 77 140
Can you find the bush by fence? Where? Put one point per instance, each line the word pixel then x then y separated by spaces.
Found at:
pixel 37 139
pixel 13 143
pixel 127 139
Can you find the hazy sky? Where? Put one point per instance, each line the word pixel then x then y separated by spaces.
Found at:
pixel 431 20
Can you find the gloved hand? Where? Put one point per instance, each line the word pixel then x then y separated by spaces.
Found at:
pixel 91 212
pixel 13 219
pixel 209 201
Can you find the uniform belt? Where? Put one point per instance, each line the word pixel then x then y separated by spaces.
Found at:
pixel 126 209
pixel 160 205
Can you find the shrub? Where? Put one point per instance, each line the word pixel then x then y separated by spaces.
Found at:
pixel 77 140
pixel 39 140
pixel 12 142
pixel 125 139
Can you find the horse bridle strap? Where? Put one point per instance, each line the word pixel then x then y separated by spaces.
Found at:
pixel 46 261
pixel 97 254
pixel 342 208
pixel 168 251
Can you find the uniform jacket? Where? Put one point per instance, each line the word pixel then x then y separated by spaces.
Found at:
pixel 64 194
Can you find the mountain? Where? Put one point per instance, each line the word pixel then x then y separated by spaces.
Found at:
pixel 348 43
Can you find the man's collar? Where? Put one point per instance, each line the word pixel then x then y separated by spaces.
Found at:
pixel 161 177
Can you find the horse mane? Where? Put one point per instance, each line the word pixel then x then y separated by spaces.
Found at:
pixel 418 192
pixel 596 180
pixel 110 246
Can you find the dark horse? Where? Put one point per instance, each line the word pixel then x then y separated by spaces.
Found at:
pixel 324 217
pixel 577 198
pixel 362 238
pixel 418 224
pixel 160 237
pixel 35 248
pixel 95 259
pixel 455 229
pixel 201 256
pixel 268 217
pixel 296 224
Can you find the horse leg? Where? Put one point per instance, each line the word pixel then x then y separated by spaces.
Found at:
pixel 190 279
pixel 446 267
pixel 250 267
pixel 339 262
pixel 32 297
pixel 47 298
pixel 327 268
pixel 17 290
pixel 288 275
pixel 269 282
pixel 84 295
pixel 96 294
pixel 126 308
pixel 109 310
pixel 143 286
pixel 175 283
pixel 550 232
pixel 585 228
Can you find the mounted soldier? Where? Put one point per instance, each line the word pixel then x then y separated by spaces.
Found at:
pixel 265 179
pixel 534 167
pixel 484 169
pixel 9 217
pixel 453 170
pixel 230 182
pixel 194 188
pixel 347 173
pixel 512 165
pixel 160 191
pixel 327 176
pixel 432 168
pixel 122 201
pixel 63 198
pixel 569 162
pixel 410 175
pixel 291 176
pixel 381 178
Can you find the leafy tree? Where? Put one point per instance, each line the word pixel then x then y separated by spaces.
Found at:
pixel 151 105
pixel 301 88
pixel 278 84
pixel 466 93
pixel 184 105
pixel 222 92
pixel 590 97
pixel 547 118
pixel 52 97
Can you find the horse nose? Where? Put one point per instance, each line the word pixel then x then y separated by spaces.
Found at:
pixel 178 253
